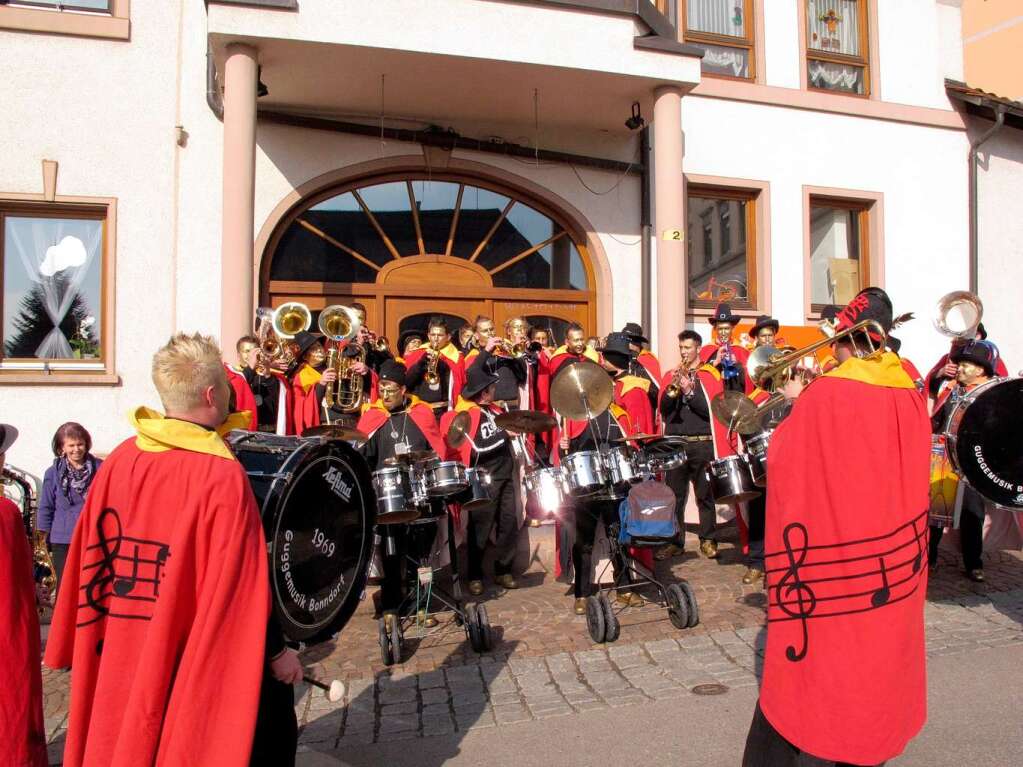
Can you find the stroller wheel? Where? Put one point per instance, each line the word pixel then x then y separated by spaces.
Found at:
pixel 397 640
pixel 678 606
pixel 472 627
pixel 384 638
pixel 694 609
pixel 486 635
pixel 612 628
pixel 595 619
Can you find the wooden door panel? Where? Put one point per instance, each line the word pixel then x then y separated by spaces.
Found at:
pixel 567 311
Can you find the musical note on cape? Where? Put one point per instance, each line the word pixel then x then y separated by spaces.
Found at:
pixel 883 594
pixel 790 582
pixel 115 589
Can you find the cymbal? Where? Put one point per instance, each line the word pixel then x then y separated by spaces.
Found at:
pixel 525 421
pixel 335 431
pixel 637 438
pixel 409 458
pixel 773 412
pixel 580 390
pixel 458 431
pixel 732 408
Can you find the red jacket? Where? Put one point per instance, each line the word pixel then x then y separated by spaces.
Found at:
pixel 244 399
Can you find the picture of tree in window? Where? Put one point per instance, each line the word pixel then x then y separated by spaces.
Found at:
pixel 52 275
pixel 719 257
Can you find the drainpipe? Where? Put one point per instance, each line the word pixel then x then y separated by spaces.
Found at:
pixel 974 174
pixel 645 229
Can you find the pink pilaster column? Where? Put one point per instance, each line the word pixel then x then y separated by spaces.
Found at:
pixel 236 256
pixel 669 217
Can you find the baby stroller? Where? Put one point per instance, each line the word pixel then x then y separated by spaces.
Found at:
pixel 646 519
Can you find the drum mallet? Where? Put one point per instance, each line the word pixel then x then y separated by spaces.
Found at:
pixel 333 692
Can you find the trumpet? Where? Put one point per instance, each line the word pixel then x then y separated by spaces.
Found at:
pixel 513 349
pixel 674 389
pixel 339 324
pixel 431 376
pixel 377 343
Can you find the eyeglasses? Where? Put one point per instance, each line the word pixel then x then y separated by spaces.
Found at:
pixel 387 391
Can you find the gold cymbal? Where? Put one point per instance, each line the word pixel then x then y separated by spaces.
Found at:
pixel 335 431
pixel 407 459
pixel 735 411
pixel 581 390
pixel 458 431
pixel 637 438
pixel 526 421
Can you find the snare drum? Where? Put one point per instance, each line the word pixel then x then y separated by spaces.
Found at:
pixel 547 489
pixel 396 501
pixel 756 456
pixel 731 480
pixel 585 472
pixel 444 478
pixel 478 493
pixel 622 467
pixel 660 462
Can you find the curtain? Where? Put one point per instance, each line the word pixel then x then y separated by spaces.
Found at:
pixel 833 26
pixel 825 74
pixel 46 247
pixel 718 57
pixel 720 17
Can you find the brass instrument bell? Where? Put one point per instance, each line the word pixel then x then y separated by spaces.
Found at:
pixel 958 314
pixel 290 319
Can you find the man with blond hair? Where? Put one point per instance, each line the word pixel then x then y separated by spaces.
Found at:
pixel 163 611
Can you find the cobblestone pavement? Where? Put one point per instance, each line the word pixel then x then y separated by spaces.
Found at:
pixel 544 664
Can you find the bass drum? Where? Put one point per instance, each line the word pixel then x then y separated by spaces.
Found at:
pixel 984 443
pixel 318 508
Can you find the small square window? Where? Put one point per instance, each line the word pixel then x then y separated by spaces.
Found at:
pixel 724 30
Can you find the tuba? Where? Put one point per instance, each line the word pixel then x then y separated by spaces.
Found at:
pixel 339 324
pixel 958 314
pixel 276 327
pixel 22 489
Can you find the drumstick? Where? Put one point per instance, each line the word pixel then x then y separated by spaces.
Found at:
pixel 333 692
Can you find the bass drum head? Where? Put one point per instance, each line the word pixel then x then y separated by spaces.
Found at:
pixel 319 536
pixel 985 441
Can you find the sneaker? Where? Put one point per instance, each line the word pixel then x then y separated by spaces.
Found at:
pixel 752 575
pixel 709 549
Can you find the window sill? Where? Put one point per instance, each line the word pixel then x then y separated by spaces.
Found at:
pixel 65 23
pixel 61 378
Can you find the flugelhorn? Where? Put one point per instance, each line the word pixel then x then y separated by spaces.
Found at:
pixel 340 324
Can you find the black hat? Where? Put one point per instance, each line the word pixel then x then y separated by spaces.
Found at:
pixel 7 436
pixel 723 313
pixel 616 349
pixel 305 340
pixel 979 352
pixel 392 371
pixel 407 336
pixel 763 321
pixel 869 304
pixel 476 380
pixel 830 312
pixel 635 333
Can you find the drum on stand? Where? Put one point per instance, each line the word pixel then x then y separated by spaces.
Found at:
pixel 478 492
pixel 984 443
pixel 397 495
pixel 547 489
pixel 585 472
pixel 318 509
pixel 622 467
pixel 756 456
pixel 731 480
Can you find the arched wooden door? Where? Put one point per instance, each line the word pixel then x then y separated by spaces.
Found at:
pixel 405 245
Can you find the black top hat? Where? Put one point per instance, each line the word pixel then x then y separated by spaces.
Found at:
pixel 763 321
pixel 7 436
pixel 407 336
pixel 305 340
pixel 723 313
pixel 869 304
pixel 392 371
pixel 979 352
pixel 635 333
pixel 476 380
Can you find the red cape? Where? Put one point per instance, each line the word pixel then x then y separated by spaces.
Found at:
pixel 244 399
pixel 421 414
pixel 846 559
pixel 650 365
pixel 305 403
pixel 22 733
pixel 168 671
pixel 630 393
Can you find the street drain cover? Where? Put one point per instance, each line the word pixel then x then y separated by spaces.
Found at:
pixel 710 689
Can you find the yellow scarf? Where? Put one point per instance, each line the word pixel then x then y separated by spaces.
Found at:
pixel 157 433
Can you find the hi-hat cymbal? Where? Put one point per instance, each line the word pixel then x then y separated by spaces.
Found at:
pixel 335 431
pixel 732 409
pixel 637 438
pixel 581 390
pixel 458 431
pixel 526 421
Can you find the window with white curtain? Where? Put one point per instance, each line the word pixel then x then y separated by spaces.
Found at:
pixel 724 30
pixel 52 300
pixel 836 45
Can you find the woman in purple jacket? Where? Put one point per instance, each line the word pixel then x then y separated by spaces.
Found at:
pixel 64 487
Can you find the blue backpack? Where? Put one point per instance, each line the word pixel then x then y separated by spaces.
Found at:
pixel 648 515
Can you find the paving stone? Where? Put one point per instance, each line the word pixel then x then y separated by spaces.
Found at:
pixel 551 712
pixel 536 679
pixel 662 646
pixel 625 700
pixel 469 701
pixel 397 695
pixel 397 680
pixel 692 642
pixel 666 693
pixel 607 680
pixel 470 722
pixel 590 655
pixel 430 679
pixel 359 738
pixel 434 695
pixel 399 724
pixel 498 698
pixel 502 685
pixel 589 705
pixel 561 662
pixel 355 718
pixel 391 737
pixel 455 674
pixel 509 714
pixel 410 707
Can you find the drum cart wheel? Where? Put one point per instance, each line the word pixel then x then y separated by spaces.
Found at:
pixel 694 608
pixel 678 606
pixel 612 628
pixel 595 619
pixel 384 638
pixel 486 635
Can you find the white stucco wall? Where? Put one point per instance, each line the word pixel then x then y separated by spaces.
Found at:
pixel 1000 239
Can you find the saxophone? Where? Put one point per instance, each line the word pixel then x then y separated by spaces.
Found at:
pixel 26 497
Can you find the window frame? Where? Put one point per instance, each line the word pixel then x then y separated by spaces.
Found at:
pixel 25 370
pixel 748 43
pixel 751 197
pixel 863 61
pixel 113 24
pixel 870 231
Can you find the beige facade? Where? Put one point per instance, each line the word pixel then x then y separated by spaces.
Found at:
pixel 992 42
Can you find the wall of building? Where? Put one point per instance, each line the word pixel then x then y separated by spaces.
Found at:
pixel 1000 239
pixel 992 37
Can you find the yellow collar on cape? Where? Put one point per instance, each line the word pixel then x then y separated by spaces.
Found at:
pixel 588 353
pixel 464 404
pixel 708 368
pixel 634 382
pixel 885 370
pixel 157 433
pixel 308 376
pixel 451 352
pixel 413 400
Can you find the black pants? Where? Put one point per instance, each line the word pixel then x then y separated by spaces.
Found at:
pixel 587 515
pixel 58 552
pixel 406 540
pixel 755 510
pixel 765 747
pixel 971 532
pixel 276 737
pixel 698 456
pixel 503 512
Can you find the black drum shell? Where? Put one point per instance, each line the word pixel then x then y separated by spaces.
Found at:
pixel 984 443
pixel 311 494
pixel 731 480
